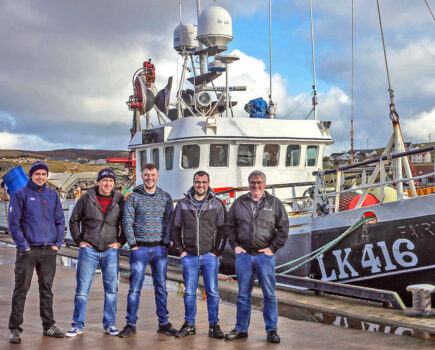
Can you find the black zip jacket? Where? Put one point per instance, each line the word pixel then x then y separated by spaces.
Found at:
pixel 89 224
pixel 267 229
pixel 199 232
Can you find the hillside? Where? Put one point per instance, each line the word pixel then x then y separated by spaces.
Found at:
pixel 62 154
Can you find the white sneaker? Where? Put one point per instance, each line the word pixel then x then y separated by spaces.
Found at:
pixel 73 332
pixel 111 330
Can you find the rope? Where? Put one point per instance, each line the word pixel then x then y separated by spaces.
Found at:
pixel 316 252
pixel 324 248
pixel 393 114
pixel 430 10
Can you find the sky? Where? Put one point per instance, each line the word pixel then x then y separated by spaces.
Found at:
pixel 66 66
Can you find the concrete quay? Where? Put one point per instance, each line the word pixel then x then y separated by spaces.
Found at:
pixel 294 334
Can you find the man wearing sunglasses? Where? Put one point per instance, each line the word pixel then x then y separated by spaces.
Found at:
pixel 199 237
pixel 257 227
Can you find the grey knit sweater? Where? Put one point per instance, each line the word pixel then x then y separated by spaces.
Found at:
pixel 147 218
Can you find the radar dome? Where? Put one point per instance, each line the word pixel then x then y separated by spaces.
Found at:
pixel 215 27
pixel 185 37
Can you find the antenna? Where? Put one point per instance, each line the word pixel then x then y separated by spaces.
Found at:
pixel 351 100
pixel 315 101
pixel 272 105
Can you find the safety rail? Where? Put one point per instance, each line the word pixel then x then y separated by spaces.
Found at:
pixel 328 191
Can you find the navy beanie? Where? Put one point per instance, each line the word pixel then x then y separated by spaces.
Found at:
pixel 106 172
pixel 37 166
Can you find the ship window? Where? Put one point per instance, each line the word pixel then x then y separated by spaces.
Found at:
pixel 218 155
pixel 293 155
pixel 156 157
pixel 190 156
pixel 270 155
pixel 143 158
pixel 311 156
pixel 169 157
pixel 246 155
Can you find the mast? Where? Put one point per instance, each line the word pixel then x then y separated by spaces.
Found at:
pixel 272 105
pixel 315 101
pixel 352 159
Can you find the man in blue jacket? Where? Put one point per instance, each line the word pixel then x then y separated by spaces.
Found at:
pixel 37 226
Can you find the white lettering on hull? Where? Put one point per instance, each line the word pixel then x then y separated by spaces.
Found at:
pixel 401 251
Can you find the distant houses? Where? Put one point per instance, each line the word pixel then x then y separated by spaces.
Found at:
pixel 344 158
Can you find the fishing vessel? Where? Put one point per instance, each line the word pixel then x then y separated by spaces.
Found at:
pixel 201 130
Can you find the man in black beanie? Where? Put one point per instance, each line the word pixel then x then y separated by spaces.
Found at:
pixel 95 226
pixel 37 226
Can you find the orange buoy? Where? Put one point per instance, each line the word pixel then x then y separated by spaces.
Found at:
pixel 369 200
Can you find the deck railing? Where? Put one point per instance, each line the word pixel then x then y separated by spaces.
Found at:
pixel 332 183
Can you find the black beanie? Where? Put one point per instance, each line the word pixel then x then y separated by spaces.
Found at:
pixel 106 172
pixel 37 166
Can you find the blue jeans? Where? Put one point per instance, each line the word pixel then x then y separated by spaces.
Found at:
pixel 87 263
pixel 209 266
pixel 157 257
pixel 246 267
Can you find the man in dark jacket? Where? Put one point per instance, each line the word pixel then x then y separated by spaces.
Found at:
pixel 198 235
pixel 257 227
pixel 37 226
pixel 95 226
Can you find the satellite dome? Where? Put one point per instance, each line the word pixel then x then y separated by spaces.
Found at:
pixel 215 27
pixel 185 37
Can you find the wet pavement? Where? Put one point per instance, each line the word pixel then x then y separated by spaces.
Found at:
pixel 294 334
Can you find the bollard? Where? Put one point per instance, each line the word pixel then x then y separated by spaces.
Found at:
pixel 421 300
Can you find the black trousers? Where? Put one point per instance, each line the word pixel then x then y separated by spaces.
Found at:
pixel 43 259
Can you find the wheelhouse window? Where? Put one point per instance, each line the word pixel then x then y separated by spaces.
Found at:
pixel 190 156
pixel 246 155
pixel 218 155
pixel 270 155
pixel 293 155
pixel 169 158
pixel 311 156
pixel 156 157
pixel 143 158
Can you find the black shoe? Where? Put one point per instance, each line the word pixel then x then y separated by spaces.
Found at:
pixel 166 329
pixel 187 329
pixel 215 331
pixel 273 337
pixel 53 332
pixel 127 331
pixel 235 334
pixel 15 337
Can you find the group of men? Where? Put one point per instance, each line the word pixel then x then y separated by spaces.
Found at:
pixel 256 226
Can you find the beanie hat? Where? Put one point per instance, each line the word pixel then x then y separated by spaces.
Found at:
pixel 37 166
pixel 106 172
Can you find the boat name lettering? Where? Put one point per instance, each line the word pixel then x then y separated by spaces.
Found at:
pixel 401 254
pixel 418 230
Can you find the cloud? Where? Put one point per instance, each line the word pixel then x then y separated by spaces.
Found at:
pixel 65 73
pixel 421 128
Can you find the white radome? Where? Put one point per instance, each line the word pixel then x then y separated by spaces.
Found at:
pixel 185 37
pixel 215 27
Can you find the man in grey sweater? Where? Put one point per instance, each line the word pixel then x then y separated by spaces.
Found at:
pixel 147 226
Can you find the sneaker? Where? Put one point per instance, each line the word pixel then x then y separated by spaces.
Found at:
pixel 214 331
pixel 166 329
pixel 53 332
pixel 15 337
pixel 186 329
pixel 73 332
pixel 273 337
pixel 111 330
pixel 236 334
pixel 127 331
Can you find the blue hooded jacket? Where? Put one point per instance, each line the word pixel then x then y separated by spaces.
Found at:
pixel 36 217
